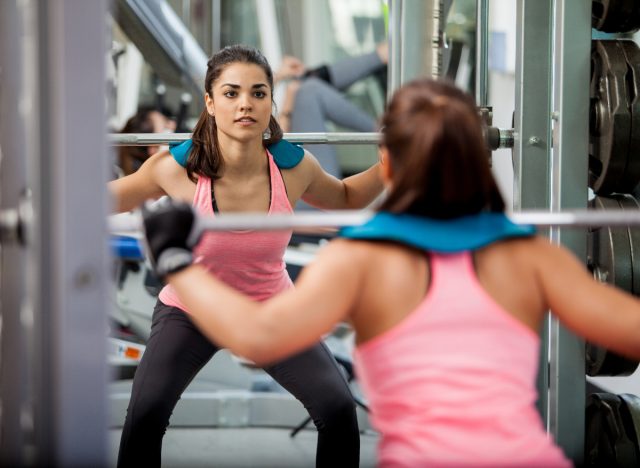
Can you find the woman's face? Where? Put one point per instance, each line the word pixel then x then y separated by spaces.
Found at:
pixel 241 101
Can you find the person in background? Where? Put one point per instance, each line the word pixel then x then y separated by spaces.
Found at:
pixel 315 97
pixel 238 162
pixel 446 296
pixel 147 119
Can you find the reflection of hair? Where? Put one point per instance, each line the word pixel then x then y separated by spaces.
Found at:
pixel 206 158
pixel 437 153
pixel 130 157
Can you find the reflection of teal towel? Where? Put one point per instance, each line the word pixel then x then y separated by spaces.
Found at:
pixel 447 236
pixel 285 154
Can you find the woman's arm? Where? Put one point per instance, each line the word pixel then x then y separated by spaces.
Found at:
pixel 289 322
pixel 327 192
pixel 284 116
pixel 598 312
pixel 147 182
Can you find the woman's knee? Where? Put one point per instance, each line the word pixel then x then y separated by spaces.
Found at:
pixel 149 413
pixel 337 411
pixel 313 85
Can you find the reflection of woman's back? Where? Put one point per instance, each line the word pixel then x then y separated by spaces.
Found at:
pixel 146 120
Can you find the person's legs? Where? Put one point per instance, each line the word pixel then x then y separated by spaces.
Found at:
pixel 317 102
pixel 348 70
pixel 315 379
pixel 175 352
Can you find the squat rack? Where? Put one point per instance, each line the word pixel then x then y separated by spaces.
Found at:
pixel 60 283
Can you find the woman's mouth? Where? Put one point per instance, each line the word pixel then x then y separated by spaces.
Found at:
pixel 245 121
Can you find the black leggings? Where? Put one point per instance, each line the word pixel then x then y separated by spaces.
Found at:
pixel 175 353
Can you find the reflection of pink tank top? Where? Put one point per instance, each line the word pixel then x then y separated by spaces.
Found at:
pixel 250 261
pixel 453 384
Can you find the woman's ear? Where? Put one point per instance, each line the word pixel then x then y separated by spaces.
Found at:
pixel 386 173
pixel 209 104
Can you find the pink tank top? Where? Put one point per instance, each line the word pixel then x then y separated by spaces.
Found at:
pixel 250 261
pixel 453 384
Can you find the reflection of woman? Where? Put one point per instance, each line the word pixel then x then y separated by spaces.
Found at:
pixel 146 120
pixel 229 169
pixel 315 97
pixel 446 296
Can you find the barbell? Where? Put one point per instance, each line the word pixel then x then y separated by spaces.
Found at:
pixel 130 224
pixel 496 138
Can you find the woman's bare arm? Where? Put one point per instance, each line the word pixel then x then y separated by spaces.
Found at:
pixel 599 312
pixel 327 192
pixel 289 322
pixel 148 182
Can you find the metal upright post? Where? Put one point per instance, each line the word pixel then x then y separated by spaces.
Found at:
pixel 569 166
pixel 13 182
pixel 482 53
pixel 70 237
pixel 532 131
pixel 422 27
pixel 216 25
pixel 395 46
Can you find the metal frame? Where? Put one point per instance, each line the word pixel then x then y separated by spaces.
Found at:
pixel 550 162
pixel 482 53
pixel 131 223
pixel 532 130
pixel 357 138
pixel 70 271
pixel 13 259
pixel 568 180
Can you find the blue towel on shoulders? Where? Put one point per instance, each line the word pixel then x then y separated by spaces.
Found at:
pixel 445 236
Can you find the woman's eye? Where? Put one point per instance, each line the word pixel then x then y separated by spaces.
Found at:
pixel 230 93
pixel 260 94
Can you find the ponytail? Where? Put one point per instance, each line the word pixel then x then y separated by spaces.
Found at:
pixel 205 158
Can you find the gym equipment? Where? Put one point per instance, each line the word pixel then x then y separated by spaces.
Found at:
pixel 612 436
pixel 614 123
pixel 496 138
pixel 615 16
pixel 613 255
pixel 130 224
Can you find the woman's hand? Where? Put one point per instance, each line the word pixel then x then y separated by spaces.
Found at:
pixel 171 232
pixel 291 67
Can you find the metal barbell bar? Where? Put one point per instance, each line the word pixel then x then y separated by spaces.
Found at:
pixel 130 224
pixel 503 138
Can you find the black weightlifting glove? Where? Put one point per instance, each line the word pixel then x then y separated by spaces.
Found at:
pixel 171 233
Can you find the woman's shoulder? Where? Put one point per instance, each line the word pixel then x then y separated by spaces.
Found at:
pixel 164 167
pixel 534 250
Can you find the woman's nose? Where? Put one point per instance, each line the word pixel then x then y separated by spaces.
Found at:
pixel 245 103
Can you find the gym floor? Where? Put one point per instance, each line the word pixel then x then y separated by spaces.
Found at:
pixel 246 447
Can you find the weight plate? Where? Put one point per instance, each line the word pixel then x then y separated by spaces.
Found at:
pixel 609 248
pixel 608 441
pixel 633 406
pixel 615 16
pixel 631 175
pixel 610 255
pixel 610 118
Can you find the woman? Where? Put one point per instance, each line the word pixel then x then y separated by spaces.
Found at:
pixel 445 294
pixel 228 169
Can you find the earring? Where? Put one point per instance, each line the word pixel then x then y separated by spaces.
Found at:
pixel 267 134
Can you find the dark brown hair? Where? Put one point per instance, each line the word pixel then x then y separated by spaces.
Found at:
pixel 437 152
pixel 130 157
pixel 206 158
